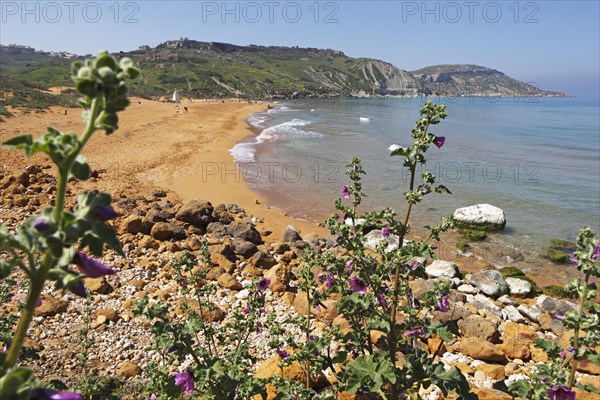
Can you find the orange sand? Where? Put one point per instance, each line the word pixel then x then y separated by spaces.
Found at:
pixel 186 153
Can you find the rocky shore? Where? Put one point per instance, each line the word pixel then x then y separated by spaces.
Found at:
pixel 498 317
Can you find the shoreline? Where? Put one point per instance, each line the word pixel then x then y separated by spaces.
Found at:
pixel 159 145
pixel 193 162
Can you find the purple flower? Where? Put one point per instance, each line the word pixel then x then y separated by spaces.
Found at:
pixel 573 260
pixel 263 284
pixel 439 141
pixel 561 393
pixel 413 265
pixel 345 192
pixel 349 265
pixel 182 281
pixel 543 379
pixel 153 397
pixel 559 317
pixel 329 281
pixel 596 252
pixel 357 285
pixel 442 304
pixel 381 301
pixel 39 302
pixel 246 310
pixel 570 350
pixel 78 289
pixel 185 380
pixel 51 394
pixel 424 191
pixel 172 349
pixel 283 354
pixel 385 231
pixel 105 213
pixel 41 224
pixel 414 332
pixel 90 267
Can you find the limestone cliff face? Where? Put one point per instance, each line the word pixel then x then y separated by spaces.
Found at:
pixel 386 79
pixel 459 80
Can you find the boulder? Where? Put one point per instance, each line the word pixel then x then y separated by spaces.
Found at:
pixel 291 234
pixel 510 313
pixel 244 247
pixel 490 281
pixel 263 260
pixel 475 326
pixel 244 231
pixel 228 281
pixel 441 269
pixel 167 231
pixel 554 306
pixel 518 287
pixel 158 215
pixel 128 369
pixel 196 212
pixel 217 229
pixel 481 350
pixel 482 302
pixel 136 224
pixel 533 313
pixel 279 277
pixel 51 306
pixel 480 216
pixel 494 371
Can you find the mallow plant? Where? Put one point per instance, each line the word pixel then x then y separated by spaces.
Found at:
pixel 366 275
pixel 556 378
pixel 63 245
pixel 201 355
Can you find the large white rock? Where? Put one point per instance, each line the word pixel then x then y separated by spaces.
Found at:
pixel 485 216
pixel 518 287
pixel 441 269
pixel 373 238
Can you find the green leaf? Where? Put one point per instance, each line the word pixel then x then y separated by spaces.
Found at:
pixel 13 379
pixel 19 142
pixel 521 388
pixel 452 381
pixel 370 371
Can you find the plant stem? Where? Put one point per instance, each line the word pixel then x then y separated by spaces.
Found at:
pixel 61 187
pixel 392 336
pixel 308 328
pixel 26 315
pixel 574 361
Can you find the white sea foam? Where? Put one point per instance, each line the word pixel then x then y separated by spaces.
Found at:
pixel 245 152
pixel 365 119
pixel 257 120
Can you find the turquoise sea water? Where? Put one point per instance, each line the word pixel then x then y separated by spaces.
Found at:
pixel 536 158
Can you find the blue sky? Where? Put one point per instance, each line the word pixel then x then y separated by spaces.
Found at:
pixel 554 44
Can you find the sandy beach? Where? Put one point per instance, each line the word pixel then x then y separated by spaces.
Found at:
pixel 160 146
